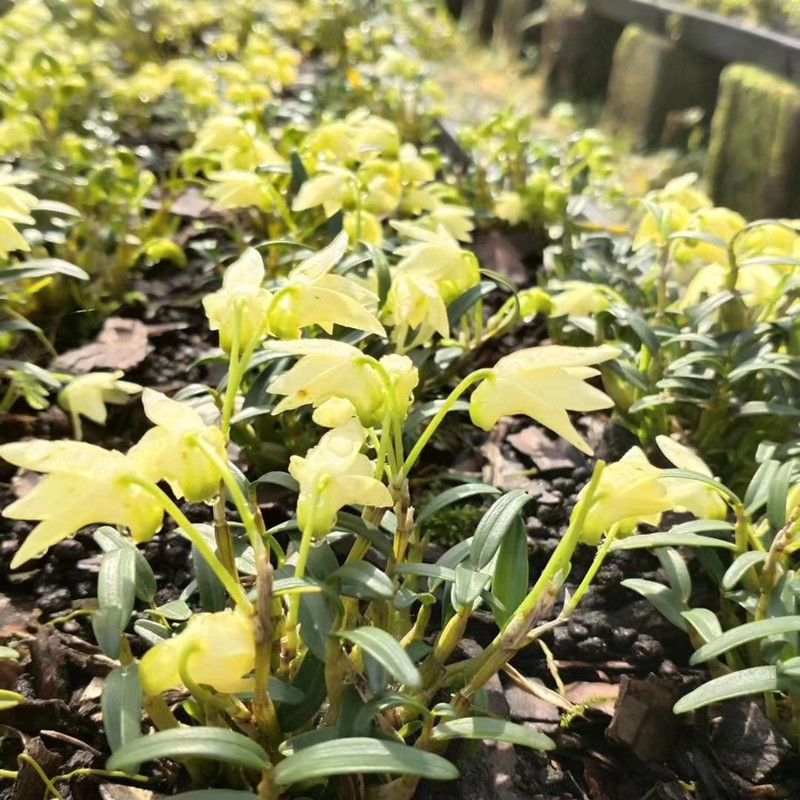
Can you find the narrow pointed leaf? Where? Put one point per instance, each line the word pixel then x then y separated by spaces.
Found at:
pixel 121 704
pixel 361 755
pixel 454 495
pixel 215 744
pixel 737 684
pixel 387 651
pixel 742 634
pixel 496 729
pixel 494 525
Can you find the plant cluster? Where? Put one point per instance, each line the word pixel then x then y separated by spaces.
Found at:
pixel 320 655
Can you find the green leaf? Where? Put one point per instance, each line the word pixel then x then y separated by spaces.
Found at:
pixel 494 525
pixel 42 268
pixel 669 539
pixel 214 744
pixel 9 699
pixel 429 571
pixel 705 622
pixel 176 610
pixel 380 703
pixel 316 622
pixel 754 680
pixel 310 680
pixel 776 497
pixel 454 495
pixel 661 597
pixel 364 580
pixel 276 478
pixel 686 474
pixel 212 593
pixel 116 593
pixel 466 301
pixel 216 794
pixel 387 651
pixel 510 579
pixel 496 729
pixel 306 739
pixel 468 585
pixel 355 524
pixel 361 755
pixel 121 704
pixel 758 489
pixel 108 538
pixel 737 570
pixel 742 634
pixel 676 571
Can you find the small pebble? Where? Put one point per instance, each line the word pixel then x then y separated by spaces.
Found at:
pixel 577 630
pixel 68 551
pixel 593 648
pixel 624 637
pixel 564 485
pixel 55 601
pixel 647 649
pixel 581 473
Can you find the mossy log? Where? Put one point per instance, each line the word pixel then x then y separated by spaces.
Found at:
pixel 754 151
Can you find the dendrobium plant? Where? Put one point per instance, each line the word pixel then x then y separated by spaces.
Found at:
pixel 315 648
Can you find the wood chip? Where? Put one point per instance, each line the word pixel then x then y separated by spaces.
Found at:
pixel 549 455
pixel 121 344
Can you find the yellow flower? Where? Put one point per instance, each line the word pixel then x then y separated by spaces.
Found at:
pixel 433 272
pixel 15 209
pixel 329 189
pixel 672 217
pixel 216 650
pixel 629 491
pixel 234 189
pixel 363 227
pixel 170 451
pixel 543 383
pixel 682 190
pixel 241 296
pixel 582 299
pixel 533 301
pixel 313 296
pixel 87 395
pixel 721 223
pixel 509 207
pixel 334 474
pixel 694 497
pixel 328 369
pixel 455 219
pixel 85 485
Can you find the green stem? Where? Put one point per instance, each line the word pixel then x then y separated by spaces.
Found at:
pixel 306 538
pixel 239 500
pixel 511 637
pixel 230 582
pixel 447 406
pixel 26 759
pixel 594 568
pixel 234 377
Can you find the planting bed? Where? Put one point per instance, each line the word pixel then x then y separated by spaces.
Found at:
pixel 344 459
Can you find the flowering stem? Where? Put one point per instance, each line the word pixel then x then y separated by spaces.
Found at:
pixel 306 537
pixel 447 406
pixel 512 636
pixel 239 500
pixel 599 558
pixel 230 582
pixel 234 377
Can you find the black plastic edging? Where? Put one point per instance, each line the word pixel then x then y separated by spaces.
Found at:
pixel 710 34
